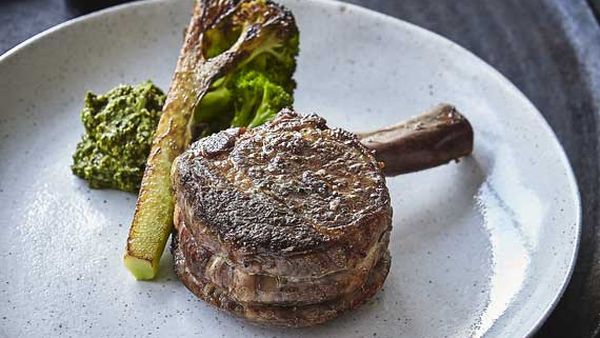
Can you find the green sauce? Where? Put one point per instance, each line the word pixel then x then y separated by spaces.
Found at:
pixel 119 129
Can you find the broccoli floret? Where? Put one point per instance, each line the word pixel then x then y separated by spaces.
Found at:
pixel 277 58
pixel 262 82
pixel 257 99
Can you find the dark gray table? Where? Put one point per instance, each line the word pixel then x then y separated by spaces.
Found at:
pixel 549 48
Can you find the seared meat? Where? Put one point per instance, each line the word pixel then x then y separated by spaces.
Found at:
pixel 289 224
pixel 290 316
pixel 291 217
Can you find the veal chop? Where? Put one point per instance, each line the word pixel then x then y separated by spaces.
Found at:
pixel 289 223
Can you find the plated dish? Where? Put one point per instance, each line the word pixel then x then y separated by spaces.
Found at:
pixel 490 215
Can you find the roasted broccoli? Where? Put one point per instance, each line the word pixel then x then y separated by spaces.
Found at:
pixel 235 69
pixel 262 83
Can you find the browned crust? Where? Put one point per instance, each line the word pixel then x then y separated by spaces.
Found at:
pixel 251 221
pixel 256 243
pixel 285 316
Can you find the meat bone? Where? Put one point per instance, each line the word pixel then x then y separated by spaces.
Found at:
pixel 430 139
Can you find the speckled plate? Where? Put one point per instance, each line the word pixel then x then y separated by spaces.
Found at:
pixel 483 247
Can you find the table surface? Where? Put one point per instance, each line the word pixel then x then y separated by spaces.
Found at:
pixel 550 49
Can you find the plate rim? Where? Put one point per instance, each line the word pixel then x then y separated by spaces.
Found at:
pixel 432 36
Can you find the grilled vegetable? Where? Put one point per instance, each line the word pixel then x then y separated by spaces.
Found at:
pixel 262 83
pixel 235 67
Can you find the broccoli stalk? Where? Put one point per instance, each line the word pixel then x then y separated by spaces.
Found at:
pixel 235 68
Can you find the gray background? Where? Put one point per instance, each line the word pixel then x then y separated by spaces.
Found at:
pixel 550 49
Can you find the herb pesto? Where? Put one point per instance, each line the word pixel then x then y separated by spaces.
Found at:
pixel 119 129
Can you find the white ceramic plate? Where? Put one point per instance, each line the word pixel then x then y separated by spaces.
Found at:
pixel 480 247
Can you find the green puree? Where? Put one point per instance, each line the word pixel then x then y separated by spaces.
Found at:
pixel 119 128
